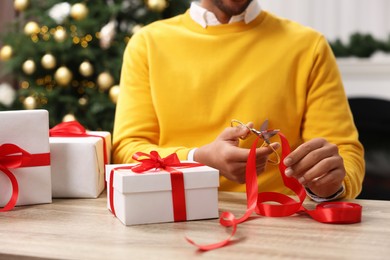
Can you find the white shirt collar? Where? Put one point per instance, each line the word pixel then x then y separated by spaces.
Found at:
pixel 206 18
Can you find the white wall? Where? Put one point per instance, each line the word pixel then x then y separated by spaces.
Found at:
pixel 336 18
pixel 339 19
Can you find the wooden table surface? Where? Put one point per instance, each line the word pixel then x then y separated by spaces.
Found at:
pixel 85 229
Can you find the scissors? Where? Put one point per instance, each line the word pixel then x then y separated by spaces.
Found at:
pixel 264 133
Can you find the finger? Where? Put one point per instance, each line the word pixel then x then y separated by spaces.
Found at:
pixel 267 150
pixel 233 133
pixel 248 126
pixel 302 150
pixel 238 154
pixel 320 170
pixel 316 161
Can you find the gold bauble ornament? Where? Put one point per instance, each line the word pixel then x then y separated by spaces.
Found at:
pixel 29 67
pixel 114 93
pixel 86 69
pixel 157 5
pixel 21 5
pixel 6 52
pixel 63 76
pixel 60 35
pixel 30 103
pixel 48 61
pixel 105 81
pixel 31 28
pixel 68 118
pixel 79 11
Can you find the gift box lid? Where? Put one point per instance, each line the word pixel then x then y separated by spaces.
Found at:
pixel 126 181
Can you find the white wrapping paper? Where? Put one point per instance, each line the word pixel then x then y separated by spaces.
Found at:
pixel 78 165
pixel 28 129
pixel 147 197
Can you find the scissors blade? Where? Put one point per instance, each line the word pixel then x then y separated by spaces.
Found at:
pixel 266 134
pixel 264 126
pixel 269 133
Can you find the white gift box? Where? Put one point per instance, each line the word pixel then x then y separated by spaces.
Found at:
pixel 147 197
pixel 28 129
pixel 78 165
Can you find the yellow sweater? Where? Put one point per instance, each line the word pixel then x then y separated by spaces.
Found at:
pixel 182 84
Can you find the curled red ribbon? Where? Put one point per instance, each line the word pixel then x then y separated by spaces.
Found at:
pixel 75 129
pixel 327 212
pixel 13 157
pixel 169 163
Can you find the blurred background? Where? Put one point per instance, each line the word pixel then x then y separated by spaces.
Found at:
pixel 65 56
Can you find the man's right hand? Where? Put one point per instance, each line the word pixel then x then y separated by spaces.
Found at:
pixel 225 154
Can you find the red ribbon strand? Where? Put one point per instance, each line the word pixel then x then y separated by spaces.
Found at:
pixel 170 164
pixel 327 212
pixel 13 157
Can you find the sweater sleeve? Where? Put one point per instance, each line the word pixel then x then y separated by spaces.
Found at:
pixel 136 127
pixel 328 115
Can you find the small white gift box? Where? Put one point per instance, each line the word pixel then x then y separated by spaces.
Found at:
pixel 29 130
pixel 142 198
pixel 78 165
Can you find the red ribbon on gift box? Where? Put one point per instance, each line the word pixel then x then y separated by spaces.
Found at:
pixel 169 164
pixel 75 129
pixel 13 157
pixel 326 212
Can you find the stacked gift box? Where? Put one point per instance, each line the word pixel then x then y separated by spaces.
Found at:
pixel 67 161
pixel 78 160
pixel 34 167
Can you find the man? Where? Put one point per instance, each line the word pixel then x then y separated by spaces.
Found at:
pixel 184 79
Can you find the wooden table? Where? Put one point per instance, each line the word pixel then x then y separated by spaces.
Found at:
pixel 85 229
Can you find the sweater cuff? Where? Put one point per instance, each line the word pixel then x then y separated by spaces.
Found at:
pixel 316 198
pixel 190 156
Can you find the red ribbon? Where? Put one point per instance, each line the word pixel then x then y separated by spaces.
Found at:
pixel 75 129
pixel 327 212
pixel 169 163
pixel 13 157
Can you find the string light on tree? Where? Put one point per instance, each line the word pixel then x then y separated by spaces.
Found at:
pixel 86 69
pixel 114 93
pixel 83 101
pixel 79 11
pixel 157 5
pixel 29 67
pixel 105 81
pixel 21 5
pixel 63 76
pixel 48 61
pixel 6 52
pixel 30 103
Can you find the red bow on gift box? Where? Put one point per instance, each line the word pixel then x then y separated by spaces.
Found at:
pixel 13 157
pixel 169 164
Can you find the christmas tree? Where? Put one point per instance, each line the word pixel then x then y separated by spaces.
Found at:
pixel 66 55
